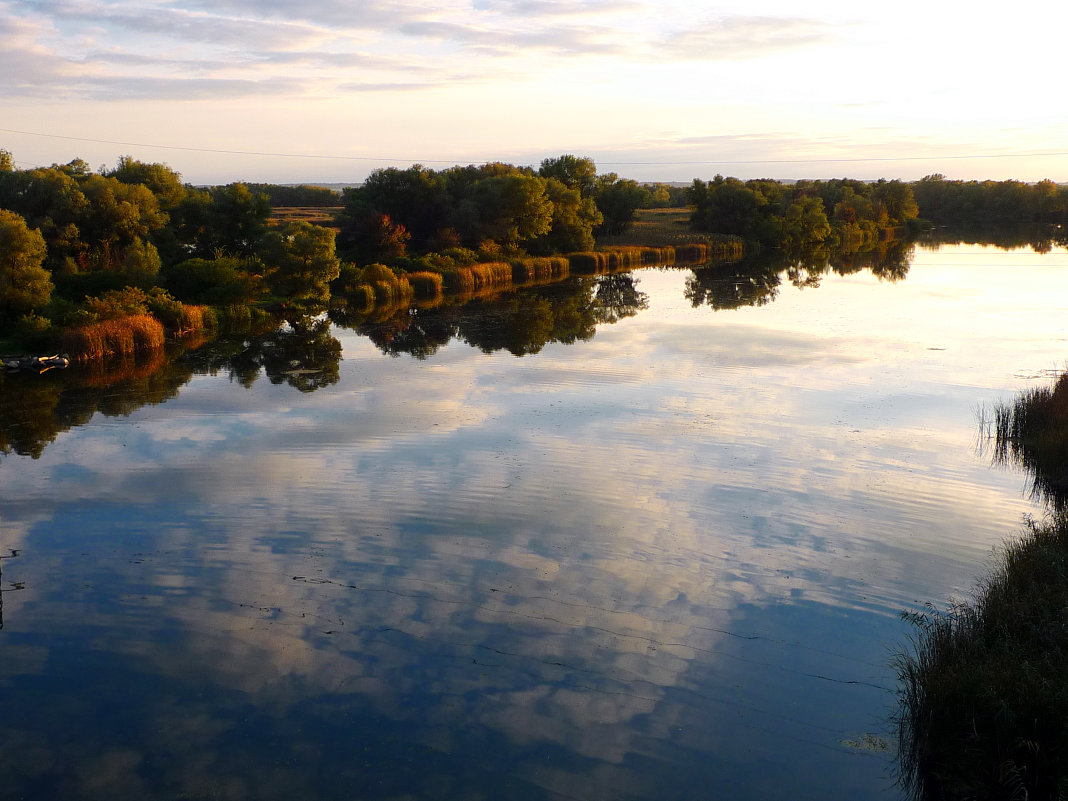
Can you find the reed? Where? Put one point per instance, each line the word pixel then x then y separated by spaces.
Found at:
pixel 984 704
pixel 588 262
pixel 196 318
pixel 392 293
pixel 361 297
pixel 545 268
pixel 124 336
pixel 1032 433
pixel 426 285
pixel 476 277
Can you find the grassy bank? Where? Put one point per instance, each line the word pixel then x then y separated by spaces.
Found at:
pixel 984 697
pixel 984 700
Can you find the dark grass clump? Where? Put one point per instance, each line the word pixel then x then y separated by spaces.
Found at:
pixel 984 696
pixel 1032 433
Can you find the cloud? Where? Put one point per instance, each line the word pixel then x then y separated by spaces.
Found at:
pixel 747 37
pixel 194 50
pixel 24 63
pixel 186 88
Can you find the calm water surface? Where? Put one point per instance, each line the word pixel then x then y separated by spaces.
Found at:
pixel 664 562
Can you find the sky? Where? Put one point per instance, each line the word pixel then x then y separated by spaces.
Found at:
pixel 328 90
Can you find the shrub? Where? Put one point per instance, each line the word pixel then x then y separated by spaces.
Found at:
pixel 118 303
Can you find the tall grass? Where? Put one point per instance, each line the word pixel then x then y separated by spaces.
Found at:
pixel 486 275
pixel 196 319
pixel 377 284
pixel 426 285
pixel 984 698
pixel 547 268
pixel 1032 433
pixel 124 336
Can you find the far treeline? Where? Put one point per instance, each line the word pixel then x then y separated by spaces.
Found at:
pixel 111 262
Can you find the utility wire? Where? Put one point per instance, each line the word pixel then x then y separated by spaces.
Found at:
pixel 958 157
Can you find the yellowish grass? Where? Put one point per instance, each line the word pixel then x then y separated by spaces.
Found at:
pixel 122 337
pixel 540 269
pixel 426 285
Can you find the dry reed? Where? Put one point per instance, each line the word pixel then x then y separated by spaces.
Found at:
pixel 122 337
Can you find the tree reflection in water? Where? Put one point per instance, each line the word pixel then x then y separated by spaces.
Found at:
pixel 303 353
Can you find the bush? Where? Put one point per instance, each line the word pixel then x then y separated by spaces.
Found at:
pixel 118 303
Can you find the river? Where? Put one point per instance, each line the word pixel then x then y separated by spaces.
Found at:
pixel 623 538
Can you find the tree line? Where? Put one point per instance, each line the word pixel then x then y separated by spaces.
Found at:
pixel 91 253
pixel 85 254
pixel 841 213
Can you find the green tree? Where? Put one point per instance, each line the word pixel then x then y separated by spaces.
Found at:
pixel 140 261
pixel 727 206
pixel 573 220
pixel 574 172
pixel 414 198
pixel 24 284
pixel 373 237
pixel 805 223
pixel 223 281
pixel 513 208
pixel 898 200
pixel 618 200
pixel 161 180
pixel 301 263
pixel 237 222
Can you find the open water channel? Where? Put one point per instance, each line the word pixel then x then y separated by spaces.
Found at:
pixel 660 554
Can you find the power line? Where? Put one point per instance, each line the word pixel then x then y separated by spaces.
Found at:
pixel 835 160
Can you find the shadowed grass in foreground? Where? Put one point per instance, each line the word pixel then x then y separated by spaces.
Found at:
pixel 984 700
pixel 984 695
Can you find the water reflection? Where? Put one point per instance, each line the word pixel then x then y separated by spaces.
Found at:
pixel 756 281
pixel 304 354
pixel 663 563
pixel 521 322
pixel 1040 238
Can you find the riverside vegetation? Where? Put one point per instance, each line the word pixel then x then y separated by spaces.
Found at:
pixel 984 702
pixel 113 263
